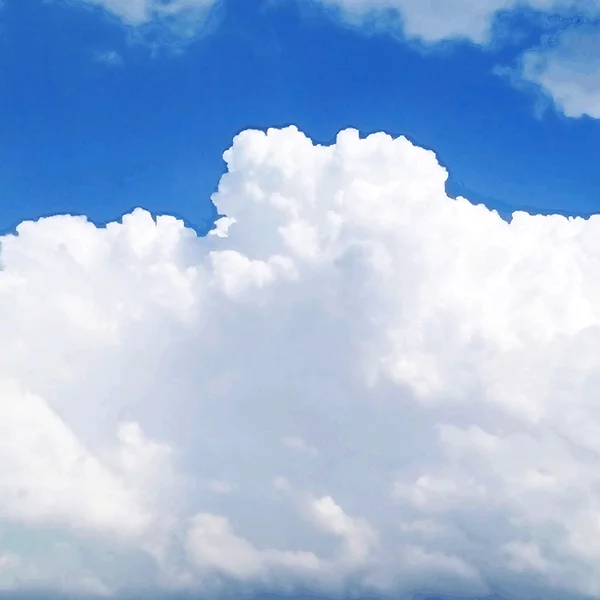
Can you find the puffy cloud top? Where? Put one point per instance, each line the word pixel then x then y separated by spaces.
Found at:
pixel 354 383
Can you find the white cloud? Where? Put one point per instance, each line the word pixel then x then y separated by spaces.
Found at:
pixel 568 71
pixel 137 12
pixel 184 18
pixel 47 476
pixel 213 545
pixel 359 538
pixel 435 20
pixel 442 361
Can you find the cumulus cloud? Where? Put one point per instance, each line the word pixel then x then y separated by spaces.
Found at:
pixel 436 20
pixel 355 384
pixel 567 71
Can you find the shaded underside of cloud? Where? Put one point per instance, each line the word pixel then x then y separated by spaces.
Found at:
pixel 355 384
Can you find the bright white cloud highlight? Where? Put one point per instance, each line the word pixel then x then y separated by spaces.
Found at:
pixel 358 383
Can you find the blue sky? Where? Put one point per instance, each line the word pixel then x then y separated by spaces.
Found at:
pixel 82 136
pixel 253 342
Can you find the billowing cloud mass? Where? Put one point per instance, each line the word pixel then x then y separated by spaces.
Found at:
pixel 354 384
pixel 435 20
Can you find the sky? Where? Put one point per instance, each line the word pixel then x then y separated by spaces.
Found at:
pixel 96 123
pixel 300 297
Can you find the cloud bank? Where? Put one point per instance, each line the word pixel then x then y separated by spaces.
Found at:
pixel 355 383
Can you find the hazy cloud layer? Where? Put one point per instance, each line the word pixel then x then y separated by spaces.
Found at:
pixel 358 383
pixel 435 20
pixel 568 71
pixel 182 18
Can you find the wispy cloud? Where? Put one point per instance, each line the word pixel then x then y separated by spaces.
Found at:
pixel 568 71
pixel 109 57
pixel 173 22
pixel 439 20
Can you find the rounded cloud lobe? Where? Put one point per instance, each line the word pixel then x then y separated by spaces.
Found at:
pixel 354 383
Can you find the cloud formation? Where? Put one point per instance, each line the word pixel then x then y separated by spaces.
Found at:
pixel 567 71
pixel 181 17
pixel 564 68
pixel 436 20
pixel 354 383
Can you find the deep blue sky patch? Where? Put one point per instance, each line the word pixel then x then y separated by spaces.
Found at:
pixel 98 137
